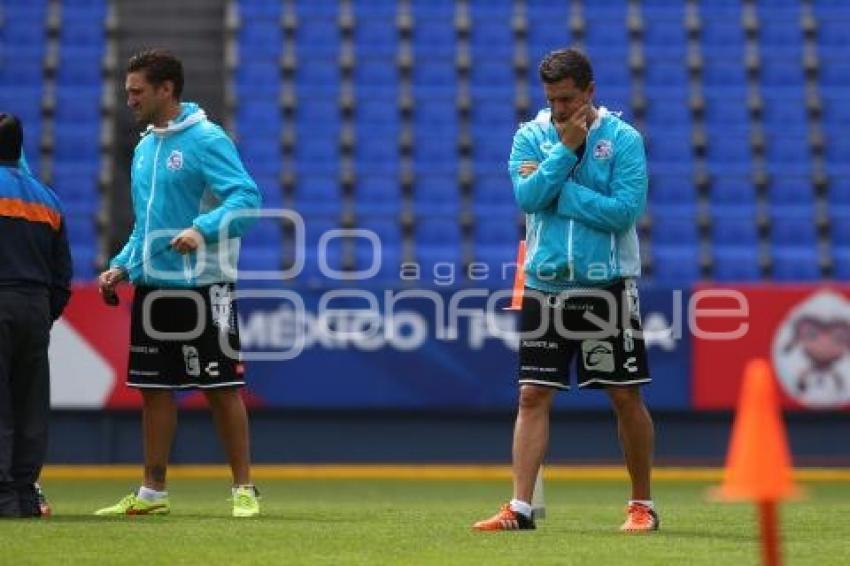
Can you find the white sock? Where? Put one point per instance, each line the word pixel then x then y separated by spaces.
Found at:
pixel 148 494
pixel 522 507
pixel 248 485
pixel 644 502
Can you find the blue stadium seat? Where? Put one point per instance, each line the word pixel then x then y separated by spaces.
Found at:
pixel 736 263
pixel 386 228
pixel 795 263
pixel 389 258
pixel 439 262
pixel 841 257
pixel 672 230
pixel 81 229
pixel 257 258
pixel 675 265
pixel 726 105
pixel 673 144
pixel 500 263
pixel 254 10
pixel 840 224
pixel 668 108
pixel 269 186
pixel 494 188
pixel 437 231
pixel 83 256
pixel 317 195
pixel 266 232
pixel 76 180
pixel 664 34
pixel 436 195
pixel 794 225
pixel 496 232
pixel 671 189
pixel 781 67
pixel 734 225
pixel 23 70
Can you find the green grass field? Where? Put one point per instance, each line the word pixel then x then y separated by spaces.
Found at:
pixel 417 522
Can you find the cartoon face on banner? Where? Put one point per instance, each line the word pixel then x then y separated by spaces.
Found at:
pixel 811 352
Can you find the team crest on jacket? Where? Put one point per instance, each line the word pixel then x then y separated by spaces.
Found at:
pixel 175 161
pixel 603 150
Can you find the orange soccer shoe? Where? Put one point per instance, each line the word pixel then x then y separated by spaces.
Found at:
pixel 640 519
pixel 505 520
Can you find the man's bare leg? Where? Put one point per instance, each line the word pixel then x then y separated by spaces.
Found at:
pixel 531 437
pixel 231 422
pixel 637 437
pixel 159 421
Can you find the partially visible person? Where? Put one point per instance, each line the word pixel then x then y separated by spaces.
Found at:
pixel 43 503
pixel 35 280
pixel 186 179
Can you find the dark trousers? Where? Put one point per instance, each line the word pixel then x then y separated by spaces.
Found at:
pixel 24 398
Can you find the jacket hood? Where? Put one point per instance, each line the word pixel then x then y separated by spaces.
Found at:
pixel 544 117
pixel 190 114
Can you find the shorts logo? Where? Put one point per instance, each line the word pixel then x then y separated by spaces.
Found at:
pixel 175 161
pixel 597 356
pixel 603 150
pixel 540 344
pixel 212 369
pixel 192 361
pixel 222 313
pixel 630 366
pixel 632 299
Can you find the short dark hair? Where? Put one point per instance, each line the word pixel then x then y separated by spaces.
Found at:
pixel 11 137
pixel 567 63
pixel 159 65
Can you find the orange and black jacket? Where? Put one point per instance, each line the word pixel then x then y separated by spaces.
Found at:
pixel 34 252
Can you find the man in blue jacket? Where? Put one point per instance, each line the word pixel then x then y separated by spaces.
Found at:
pixel 35 280
pixel 187 182
pixel 579 174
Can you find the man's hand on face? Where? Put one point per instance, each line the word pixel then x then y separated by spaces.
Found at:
pixel 527 168
pixel 187 241
pixel 574 130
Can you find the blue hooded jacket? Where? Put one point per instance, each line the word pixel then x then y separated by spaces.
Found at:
pixel 580 214
pixel 187 174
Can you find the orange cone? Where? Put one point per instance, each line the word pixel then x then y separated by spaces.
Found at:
pixel 758 465
pixel 519 279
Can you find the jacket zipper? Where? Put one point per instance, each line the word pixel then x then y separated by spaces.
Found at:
pixel 145 242
pixel 570 225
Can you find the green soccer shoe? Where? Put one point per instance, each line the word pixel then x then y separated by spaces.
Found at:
pixel 246 502
pixel 133 505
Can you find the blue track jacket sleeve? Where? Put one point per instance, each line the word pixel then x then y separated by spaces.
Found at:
pixel 619 211
pixel 130 257
pixel 540 189
pixel 230 183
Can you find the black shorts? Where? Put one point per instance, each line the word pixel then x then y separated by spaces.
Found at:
pixel 191 339
pixel 554 330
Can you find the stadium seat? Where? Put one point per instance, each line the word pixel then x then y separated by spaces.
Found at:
pixel 793 226
pixel 795 263
pixel 736 263
pixel 675 265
